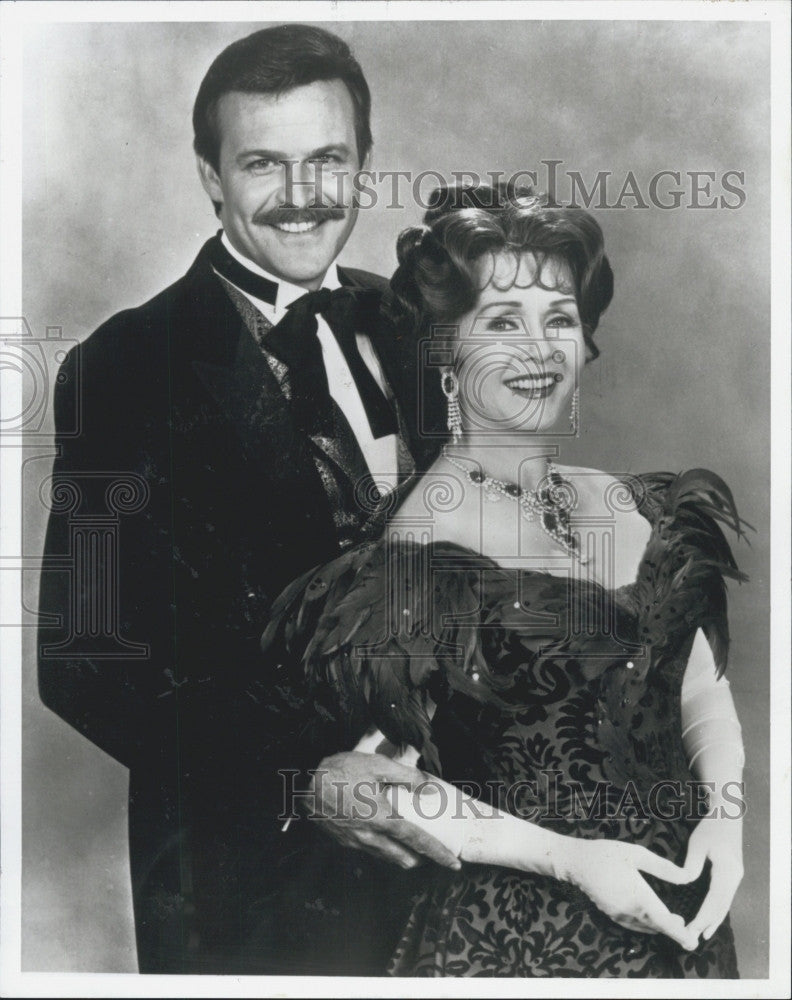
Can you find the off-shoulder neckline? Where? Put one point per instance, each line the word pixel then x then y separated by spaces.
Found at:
pixel 391 502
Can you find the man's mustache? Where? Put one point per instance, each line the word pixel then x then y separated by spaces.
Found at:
pixel 309 213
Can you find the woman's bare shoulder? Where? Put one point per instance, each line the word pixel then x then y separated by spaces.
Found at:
pixel 436 496
pixel 596 484
pixel 604 495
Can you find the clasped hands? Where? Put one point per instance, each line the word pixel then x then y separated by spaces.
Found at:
pixel 608 871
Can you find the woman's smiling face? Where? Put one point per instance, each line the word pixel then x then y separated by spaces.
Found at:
pixel 521 348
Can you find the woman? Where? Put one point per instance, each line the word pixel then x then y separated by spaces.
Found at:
pixel 549 637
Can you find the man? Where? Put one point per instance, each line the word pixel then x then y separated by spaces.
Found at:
pixel 226 425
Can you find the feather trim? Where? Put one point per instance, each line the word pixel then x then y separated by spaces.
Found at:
pixel 386 625
pixel 382 626
pixel 681 578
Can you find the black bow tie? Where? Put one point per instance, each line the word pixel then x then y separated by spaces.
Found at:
pixel 294 341
pixel 348 311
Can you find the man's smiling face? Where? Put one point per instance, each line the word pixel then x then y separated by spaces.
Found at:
pixel 282 158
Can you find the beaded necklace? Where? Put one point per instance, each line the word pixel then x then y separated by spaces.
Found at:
pixel 549 502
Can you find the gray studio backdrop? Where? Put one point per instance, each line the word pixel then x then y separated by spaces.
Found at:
pixel 114 213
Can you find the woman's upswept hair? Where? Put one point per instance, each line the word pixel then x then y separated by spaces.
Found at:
pixel 438 278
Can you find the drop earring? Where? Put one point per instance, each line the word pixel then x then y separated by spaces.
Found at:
pixel 450 386
pixel 574 413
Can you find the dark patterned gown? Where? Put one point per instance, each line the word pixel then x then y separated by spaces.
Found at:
pixel 558 701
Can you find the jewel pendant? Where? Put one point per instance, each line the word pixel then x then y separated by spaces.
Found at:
pixel 528 512
pixel 492 496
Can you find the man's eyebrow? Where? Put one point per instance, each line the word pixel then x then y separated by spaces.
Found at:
pixel 262 154
pixel 277 156
pixel 333 147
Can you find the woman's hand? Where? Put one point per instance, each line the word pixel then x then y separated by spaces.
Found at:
pixel 718 839
pixel 609 872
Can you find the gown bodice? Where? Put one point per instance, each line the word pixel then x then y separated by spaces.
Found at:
pixel 557 700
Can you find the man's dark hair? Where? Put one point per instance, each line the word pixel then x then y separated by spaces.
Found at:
pixel 273 61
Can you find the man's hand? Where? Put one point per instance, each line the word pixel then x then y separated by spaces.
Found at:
pixel 351 804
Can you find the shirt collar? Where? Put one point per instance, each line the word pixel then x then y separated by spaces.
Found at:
pixel 287 292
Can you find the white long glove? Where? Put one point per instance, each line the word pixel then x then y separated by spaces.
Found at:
pixel 608 871
pixel 709 719
pixel 712 737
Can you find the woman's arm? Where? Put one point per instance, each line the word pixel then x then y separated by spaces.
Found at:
pixel 608 871
pixel 711 731
pixel 712 738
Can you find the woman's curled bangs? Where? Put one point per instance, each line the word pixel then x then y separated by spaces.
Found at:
pixel 438 278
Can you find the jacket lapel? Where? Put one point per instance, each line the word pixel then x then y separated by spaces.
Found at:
pixel 250 386
pixel 341 451
pixel 240 379
pixel 249 395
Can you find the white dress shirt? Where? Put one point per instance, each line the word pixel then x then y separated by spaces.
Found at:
pixel 381 454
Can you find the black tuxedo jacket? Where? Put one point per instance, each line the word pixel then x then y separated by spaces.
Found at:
pixel 188 500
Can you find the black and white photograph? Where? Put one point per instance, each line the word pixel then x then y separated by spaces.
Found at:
pixel 395 443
